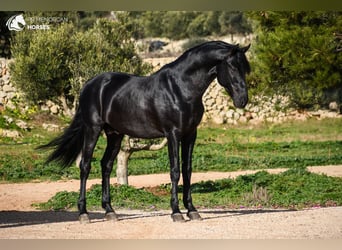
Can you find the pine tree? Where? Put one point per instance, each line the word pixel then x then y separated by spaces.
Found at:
pixel 296 53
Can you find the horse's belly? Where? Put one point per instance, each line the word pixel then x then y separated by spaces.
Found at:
pixel 136 125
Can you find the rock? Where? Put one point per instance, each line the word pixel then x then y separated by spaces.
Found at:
pixel 3 95
pixel 49 103
pixel 50 127
pixel 6 79
pixel 8 88
pixel 210 102
pixel 243 119
pixel 236 116
pixel 23 125
pixel 230 113
pixel 54 109
pixel 9 133
pixel 249 115
pixel 8 119
pixel 218 120
pixel 333 106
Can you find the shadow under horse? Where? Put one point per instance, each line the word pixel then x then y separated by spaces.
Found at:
pixel 167 103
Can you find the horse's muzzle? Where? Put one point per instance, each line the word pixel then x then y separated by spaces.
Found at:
pixel 240 102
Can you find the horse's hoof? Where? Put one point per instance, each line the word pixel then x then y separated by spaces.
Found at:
pixel 194 215
pixel 111 216
pixel 84 218
pixel 178 217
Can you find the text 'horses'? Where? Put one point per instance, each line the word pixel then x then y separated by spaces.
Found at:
pixel 167 104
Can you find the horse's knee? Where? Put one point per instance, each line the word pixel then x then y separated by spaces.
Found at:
pixel 175 176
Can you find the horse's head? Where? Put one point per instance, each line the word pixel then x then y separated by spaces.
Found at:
pixel 231 74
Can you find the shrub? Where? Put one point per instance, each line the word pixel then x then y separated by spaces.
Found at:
pixel 296 53
pixel 53 64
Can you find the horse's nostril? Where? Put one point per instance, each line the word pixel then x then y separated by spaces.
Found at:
pixel 241 102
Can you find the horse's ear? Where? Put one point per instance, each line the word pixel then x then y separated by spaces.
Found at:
pixel 244 49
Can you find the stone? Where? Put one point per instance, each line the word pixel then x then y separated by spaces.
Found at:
pixel 249 115
pixel 8 88
pixel 50 127
pixel 54 109
pixel 49 103
pixel 6 79
pixel 243 119
pixel 9 133
pixel 23 125
pixel 236 116
pixel 218 120
pixel 230 113
pixel 209 102
pixel 333 106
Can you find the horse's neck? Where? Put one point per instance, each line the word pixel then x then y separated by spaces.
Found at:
pixel 202 69
pixel 195 76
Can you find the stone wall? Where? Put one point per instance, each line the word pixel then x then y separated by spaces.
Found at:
pixel 7 91
pixel 219 108
pixel 10 97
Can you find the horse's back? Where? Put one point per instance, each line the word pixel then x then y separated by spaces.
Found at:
pixel 145 107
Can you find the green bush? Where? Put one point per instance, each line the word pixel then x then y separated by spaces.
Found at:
pixel 295 53
pixel 296 188
pixel 53 64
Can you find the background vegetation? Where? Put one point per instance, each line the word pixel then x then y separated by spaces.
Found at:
pixel 54 64
pixel 298 54
pixel 295 53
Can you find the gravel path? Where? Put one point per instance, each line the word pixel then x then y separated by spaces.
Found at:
pixel 19 220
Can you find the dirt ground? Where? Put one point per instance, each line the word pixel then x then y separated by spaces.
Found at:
pixel 19 220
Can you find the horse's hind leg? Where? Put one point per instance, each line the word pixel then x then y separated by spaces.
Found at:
pixel 173 148
pixel 91 135
pixel 112 149
pixel 187 148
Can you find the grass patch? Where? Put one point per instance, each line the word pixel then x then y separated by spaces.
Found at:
pixel 226 148
pixel 296 188
pixel 125 197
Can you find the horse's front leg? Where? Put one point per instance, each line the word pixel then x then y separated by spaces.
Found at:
pixel 173 149
pixel 187 149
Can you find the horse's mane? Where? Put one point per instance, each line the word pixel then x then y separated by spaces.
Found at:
pixel 211 45
pixel 195 49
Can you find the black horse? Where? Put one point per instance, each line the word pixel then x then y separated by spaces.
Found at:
pixel 167 104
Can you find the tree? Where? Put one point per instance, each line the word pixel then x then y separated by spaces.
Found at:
pixel 296 53
pixel 54 64
pixel 40 69
pixel 129 146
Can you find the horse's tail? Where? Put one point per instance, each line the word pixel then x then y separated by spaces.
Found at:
pixel 67 146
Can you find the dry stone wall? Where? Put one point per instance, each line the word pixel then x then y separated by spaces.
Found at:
pixel 219 108
pixel 7 91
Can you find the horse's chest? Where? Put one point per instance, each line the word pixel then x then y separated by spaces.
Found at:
pixel 187 116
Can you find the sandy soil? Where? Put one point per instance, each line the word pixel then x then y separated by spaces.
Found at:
pixel 19 220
